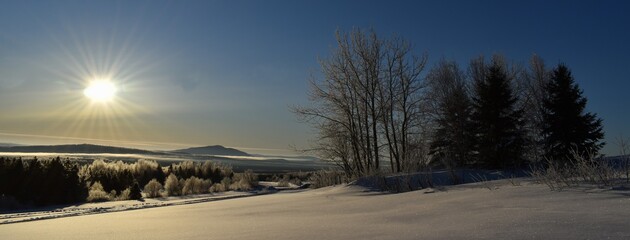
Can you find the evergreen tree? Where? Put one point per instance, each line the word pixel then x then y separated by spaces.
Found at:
pixel 75 188
pixel 566 126
pixel 135 192
pixel 498 123
pixel 4 175
pixel 159 174
pixel 124 180
pixel 450 102
pixel 31 186
pixel 17 175
pixel 52 182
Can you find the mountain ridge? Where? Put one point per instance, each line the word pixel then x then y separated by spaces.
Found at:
pixel 75 148
pixel 212 150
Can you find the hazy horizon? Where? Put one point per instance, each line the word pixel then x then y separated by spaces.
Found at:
pixel 18 139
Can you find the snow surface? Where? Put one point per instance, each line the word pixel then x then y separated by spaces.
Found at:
pixel 470 211
pixel 116 206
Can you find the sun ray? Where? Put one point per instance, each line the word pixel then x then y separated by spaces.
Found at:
pixel 102 79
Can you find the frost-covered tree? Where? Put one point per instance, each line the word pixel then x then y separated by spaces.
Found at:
pixel 172 186
pixel 532 86
pixel 97 193
pixel 152 189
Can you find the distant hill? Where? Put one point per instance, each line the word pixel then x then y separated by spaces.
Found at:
pixel 213 150
pixel 75 148
pixel 10 144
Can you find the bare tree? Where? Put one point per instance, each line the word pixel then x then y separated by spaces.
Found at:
pixel 401 100
pixel 368 98
pixel 532 87
pixel 624 149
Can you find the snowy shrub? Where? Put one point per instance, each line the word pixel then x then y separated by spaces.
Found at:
pixel 205 186
pixel 186 169
pixel 172 186
pixel 152 189
pixel 97 194
pixel 131 193
pixel 284 182
pixel 194 185
pixel 579 170
pixel 116 176
pixel 324 178
pixel 113 194
pixel 296 181
pixel 217 187
pixel 226 182
pixel 206 170
pixel 244 181
pixel 124 195
pixel 189 184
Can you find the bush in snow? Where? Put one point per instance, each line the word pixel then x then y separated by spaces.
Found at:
pixel 152 189
pixel 194 185
pixel 131 193
pixel 217 187
pixel 226 182
pixel 580 169
pixel 97 194
pixel 172 186
pixel 284 182
pixel 244 181
pixel 325 178
pixel 124 195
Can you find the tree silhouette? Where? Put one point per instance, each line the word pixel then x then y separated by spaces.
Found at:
pixel 135 193
pixel 41 182
pixel 453 137
pixel 367 104
pixel 159 174
pixel 498 124
pixel 567 127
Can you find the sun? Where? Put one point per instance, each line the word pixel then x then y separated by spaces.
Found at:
pixel 100 91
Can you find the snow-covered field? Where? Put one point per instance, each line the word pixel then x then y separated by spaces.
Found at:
pixel 115 206
pixel 470 211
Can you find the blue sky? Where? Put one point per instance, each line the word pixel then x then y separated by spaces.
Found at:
pixel 226 72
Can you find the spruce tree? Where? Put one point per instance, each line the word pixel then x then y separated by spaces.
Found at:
pixel 567 127
pixel 135 193
pixel 453 136
pixel 159 174
pixel 498 123
pixel 76 189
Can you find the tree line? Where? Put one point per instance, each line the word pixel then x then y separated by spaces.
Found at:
pixel 377 104
pixel 39 182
